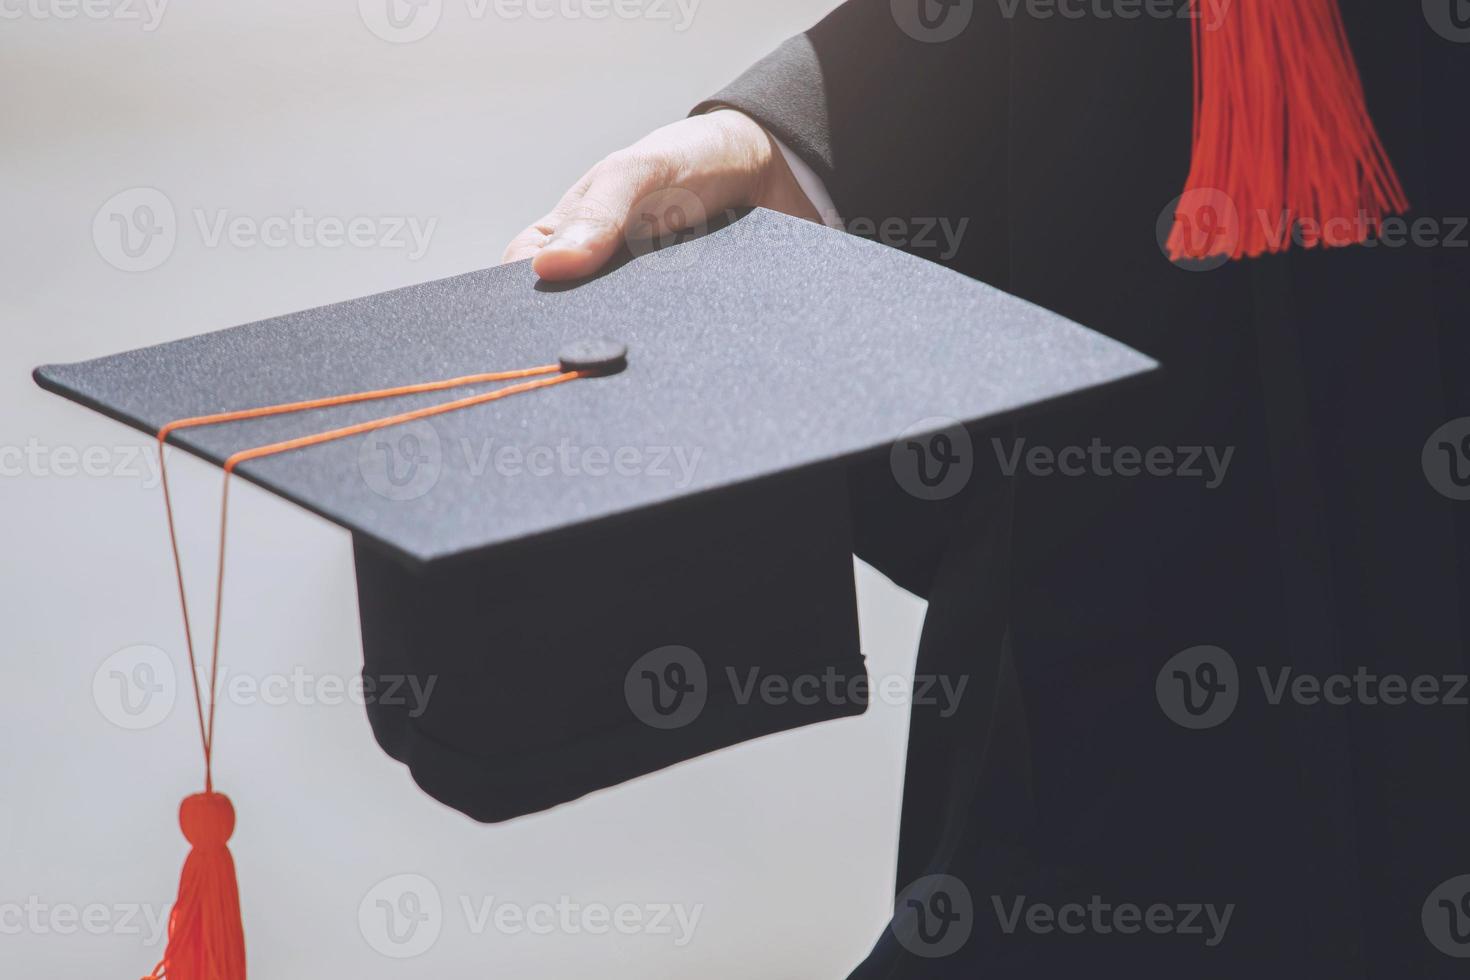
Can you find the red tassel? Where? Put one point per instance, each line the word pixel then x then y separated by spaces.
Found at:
pixel 205 938
pixel 1283 143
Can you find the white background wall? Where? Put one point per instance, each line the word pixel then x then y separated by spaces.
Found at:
pixel 257 109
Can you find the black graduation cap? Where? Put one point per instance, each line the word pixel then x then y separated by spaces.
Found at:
pixel 585 577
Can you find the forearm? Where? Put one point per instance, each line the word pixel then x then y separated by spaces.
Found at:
pixel 897 129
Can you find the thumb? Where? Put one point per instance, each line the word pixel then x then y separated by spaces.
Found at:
pixel 588 227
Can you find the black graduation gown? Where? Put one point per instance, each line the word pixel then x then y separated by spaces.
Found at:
pixel 1324 549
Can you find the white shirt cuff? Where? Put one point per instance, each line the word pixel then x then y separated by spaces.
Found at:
pixel 811 185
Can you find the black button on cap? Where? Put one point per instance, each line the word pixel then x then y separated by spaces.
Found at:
pixel 599 356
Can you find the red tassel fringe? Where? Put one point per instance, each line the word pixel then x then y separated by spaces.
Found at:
pixel 1283 145
pixel 205 937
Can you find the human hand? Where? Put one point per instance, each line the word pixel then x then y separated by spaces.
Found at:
pixel 666 182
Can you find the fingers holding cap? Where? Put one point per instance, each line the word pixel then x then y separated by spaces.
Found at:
pixel 597 216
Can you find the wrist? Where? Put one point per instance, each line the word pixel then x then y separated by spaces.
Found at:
pixel 749 153
pixel 766 180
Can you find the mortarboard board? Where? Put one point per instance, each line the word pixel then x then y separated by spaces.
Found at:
pixel 585 574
